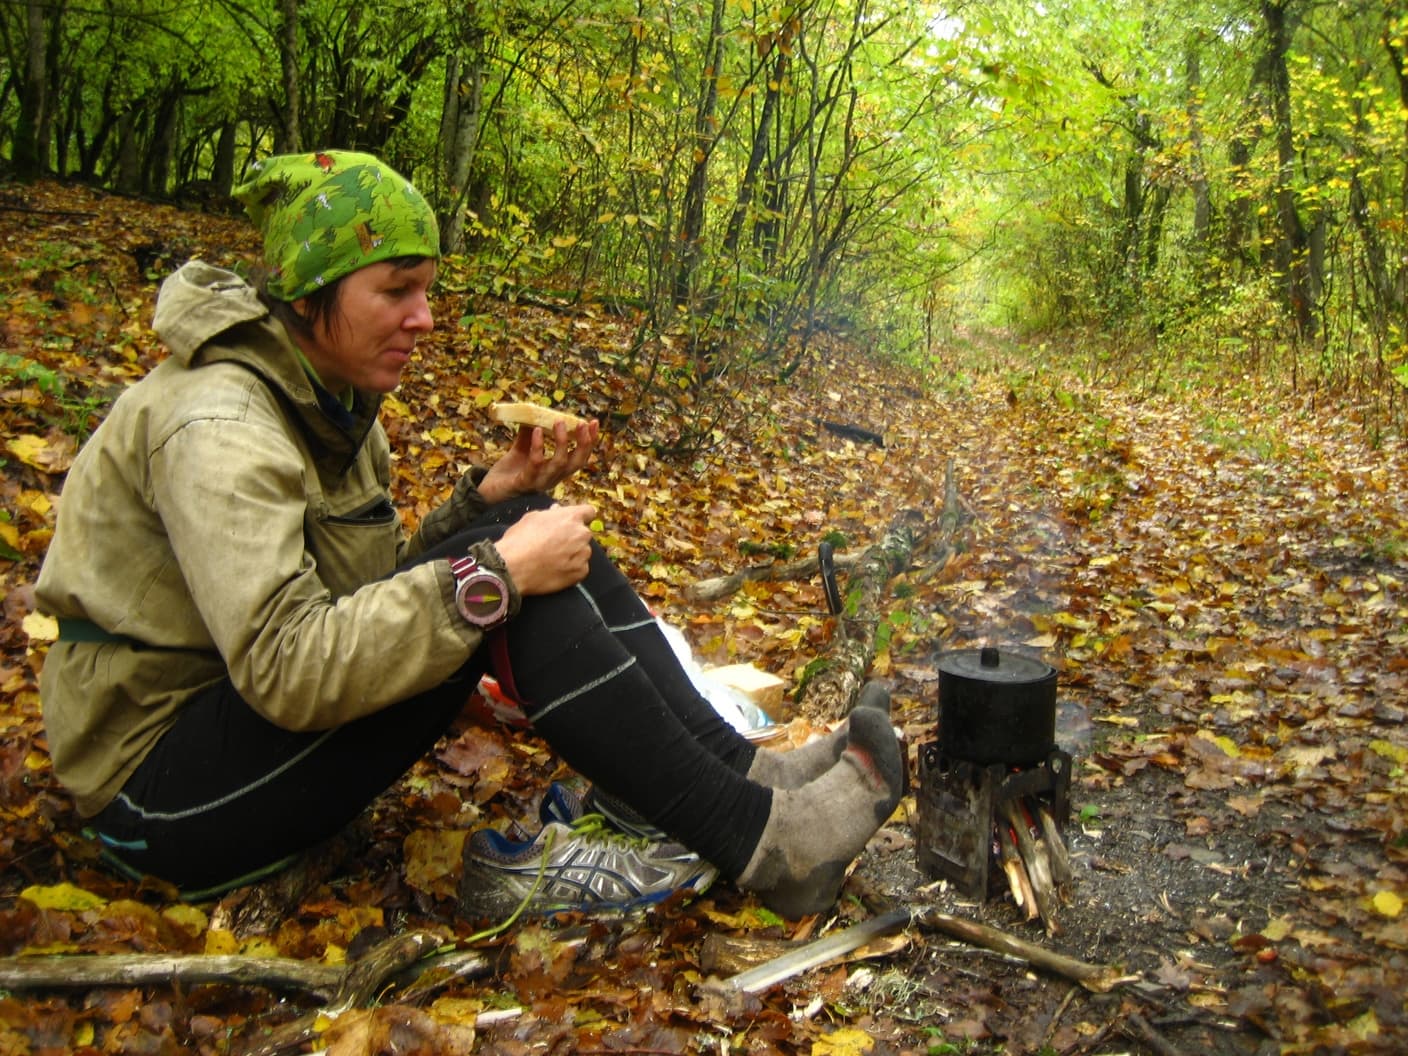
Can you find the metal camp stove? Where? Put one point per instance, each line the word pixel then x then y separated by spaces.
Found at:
pixel 994 786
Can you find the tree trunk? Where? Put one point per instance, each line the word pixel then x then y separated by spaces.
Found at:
pixel 758 155
pixel 223 172
pixel 289 136
pixel 696 190
pixel 128 176
pixel 161 148
pixel 459 134
pixel 30 151
pixel 1291 251
pixel 1202 199
pixel 829 693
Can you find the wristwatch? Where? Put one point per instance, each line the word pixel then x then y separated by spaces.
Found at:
pixel 481 594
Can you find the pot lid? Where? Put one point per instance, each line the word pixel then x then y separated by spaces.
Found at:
pixel 989 664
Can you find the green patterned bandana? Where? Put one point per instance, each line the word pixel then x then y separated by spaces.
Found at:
pixel 327 214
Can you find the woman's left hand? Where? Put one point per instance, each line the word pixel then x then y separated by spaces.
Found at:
pixel 527 467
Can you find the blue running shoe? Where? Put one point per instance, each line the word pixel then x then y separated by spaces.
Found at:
pixel 563 804
pixel 581 866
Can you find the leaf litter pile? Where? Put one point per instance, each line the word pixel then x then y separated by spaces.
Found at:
pixel 1219 582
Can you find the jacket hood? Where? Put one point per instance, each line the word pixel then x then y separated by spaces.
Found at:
pixel 206 314
pixel 200 302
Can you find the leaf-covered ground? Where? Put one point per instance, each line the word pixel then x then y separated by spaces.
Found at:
pixel 1219 579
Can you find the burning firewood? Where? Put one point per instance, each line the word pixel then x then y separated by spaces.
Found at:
pixel 1033 856
pixel 1017 877
pixel 1056 844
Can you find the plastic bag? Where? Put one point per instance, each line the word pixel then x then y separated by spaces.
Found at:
pixel 491 704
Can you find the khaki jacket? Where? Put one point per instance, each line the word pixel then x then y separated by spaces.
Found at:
pixel 223 520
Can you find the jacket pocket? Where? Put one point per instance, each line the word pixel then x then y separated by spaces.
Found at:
pixel 354 547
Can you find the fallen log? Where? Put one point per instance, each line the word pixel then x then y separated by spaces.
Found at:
pixel 400 960
pixel 853 432
pixel 723 586
pixel 831 682
pixel 82 971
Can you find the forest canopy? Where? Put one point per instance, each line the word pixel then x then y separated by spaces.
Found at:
pixel 1225 181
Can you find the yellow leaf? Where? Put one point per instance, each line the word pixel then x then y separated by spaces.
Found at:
pixel 456 1009
pixel 40 628
pixel 1394 752
pixel 258 946
pixel 843 1042
pixel 190 919
pixel 1364 1026
pixel 392 405
pixel 36 502
pixel 1228 746
pixel 38 452
pixel 64 897
pixel 1278 929
pixel 10 535
pixel 83 1034
pixel 1388 904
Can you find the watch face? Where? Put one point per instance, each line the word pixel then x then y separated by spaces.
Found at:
pixel 482 598
pixel 483 595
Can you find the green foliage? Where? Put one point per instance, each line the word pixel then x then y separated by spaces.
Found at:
pixel 76 415
pixel 898 175
pixel 18 369
pixel 780 551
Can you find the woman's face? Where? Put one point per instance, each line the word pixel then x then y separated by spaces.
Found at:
pixel 367 340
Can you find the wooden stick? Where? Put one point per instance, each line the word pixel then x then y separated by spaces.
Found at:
pixel 1017 877
pixel 1061 870
pixel 1038 871
pixel 361 981
pixel 1151 1037
pixel 1096 978
pixel 63 971
pixel 796 961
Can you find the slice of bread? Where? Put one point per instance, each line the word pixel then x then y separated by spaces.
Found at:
pixel 533 414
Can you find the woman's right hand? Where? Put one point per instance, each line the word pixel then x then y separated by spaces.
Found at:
pixel 548 550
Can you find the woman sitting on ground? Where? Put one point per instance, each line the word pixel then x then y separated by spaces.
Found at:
pixel 251 650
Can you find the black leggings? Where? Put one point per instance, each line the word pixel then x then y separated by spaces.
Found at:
pixel 226 796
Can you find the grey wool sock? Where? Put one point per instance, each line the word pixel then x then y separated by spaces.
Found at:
pixel 814 832
pixel 795 767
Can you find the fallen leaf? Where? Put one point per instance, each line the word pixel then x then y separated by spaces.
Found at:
pixel 63 896
pixel 1387 904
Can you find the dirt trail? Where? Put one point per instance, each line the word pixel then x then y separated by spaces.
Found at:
pixel 1222 590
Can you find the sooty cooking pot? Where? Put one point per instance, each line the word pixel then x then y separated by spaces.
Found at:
pixel 996 707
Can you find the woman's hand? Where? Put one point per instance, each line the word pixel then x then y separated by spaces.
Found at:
pixel 526 466
pixel 548 550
